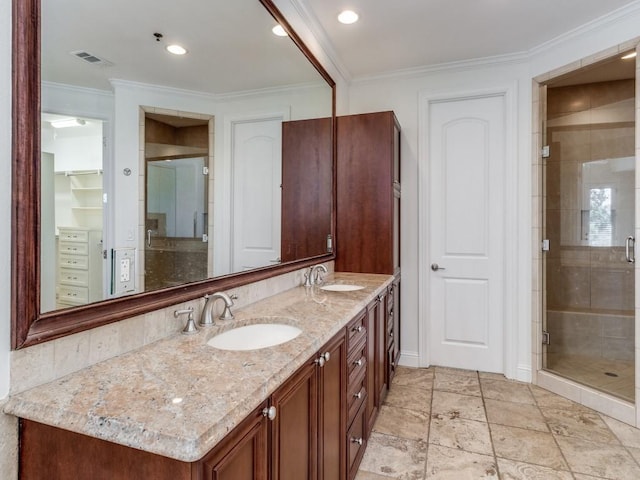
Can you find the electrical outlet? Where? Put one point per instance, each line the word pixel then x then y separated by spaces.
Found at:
pixel 123 279
pixel 125 265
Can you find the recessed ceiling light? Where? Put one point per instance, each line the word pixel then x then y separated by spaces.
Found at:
pixel 279 31
pixel 176 49
pixel 348 17
pixel 629 55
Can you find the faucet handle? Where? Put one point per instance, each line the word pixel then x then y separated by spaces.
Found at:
pixel 308 282
pixel 190 328
pixel 226 313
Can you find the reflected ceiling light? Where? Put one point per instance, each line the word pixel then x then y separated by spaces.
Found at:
pixel 629 55
pixel 67 122
pixel 348 17
pixel 279 31
pixel 176 49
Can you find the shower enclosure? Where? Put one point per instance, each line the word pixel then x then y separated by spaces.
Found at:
pixel 589 225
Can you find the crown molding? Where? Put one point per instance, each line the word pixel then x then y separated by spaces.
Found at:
pixel 313 24
pixel 458 66
pixel 609 19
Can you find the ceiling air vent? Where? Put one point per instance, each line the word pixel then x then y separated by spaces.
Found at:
pixel 91 58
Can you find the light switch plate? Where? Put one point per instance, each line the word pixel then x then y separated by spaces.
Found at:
pixel 123 270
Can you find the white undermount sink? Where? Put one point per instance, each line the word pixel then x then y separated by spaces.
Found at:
pixel 254 337
pixel 340 287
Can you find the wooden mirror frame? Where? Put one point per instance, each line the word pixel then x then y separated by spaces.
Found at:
pixel 28 325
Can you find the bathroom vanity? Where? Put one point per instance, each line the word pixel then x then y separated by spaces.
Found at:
pixel 181 409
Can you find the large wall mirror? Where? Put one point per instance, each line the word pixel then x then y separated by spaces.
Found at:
pixel 143 178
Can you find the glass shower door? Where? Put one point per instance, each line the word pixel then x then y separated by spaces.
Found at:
pixel 589 219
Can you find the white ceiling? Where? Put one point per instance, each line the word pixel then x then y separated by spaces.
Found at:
pixel 395 35
pixel 231 47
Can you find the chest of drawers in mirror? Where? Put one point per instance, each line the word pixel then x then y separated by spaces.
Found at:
pixel 79 266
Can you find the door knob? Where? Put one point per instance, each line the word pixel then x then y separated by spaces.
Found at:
pixel 435 267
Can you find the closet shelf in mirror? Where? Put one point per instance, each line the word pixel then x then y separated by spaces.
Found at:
pixel 72 173
pixel 164 150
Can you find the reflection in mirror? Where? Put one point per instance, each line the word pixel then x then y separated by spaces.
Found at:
pixel 71 184
pixel 176 152
pixel 142 227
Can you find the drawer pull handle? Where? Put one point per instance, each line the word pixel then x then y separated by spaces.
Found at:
pixel 357 329
pixel 359 441
pixel 391 335
pixel 358 395
pixel 358 363
pixel 269 413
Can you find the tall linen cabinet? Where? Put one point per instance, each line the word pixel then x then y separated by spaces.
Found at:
pixel 368 231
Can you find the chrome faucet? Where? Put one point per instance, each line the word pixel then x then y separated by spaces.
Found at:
pixel 310 279
pixel 206 320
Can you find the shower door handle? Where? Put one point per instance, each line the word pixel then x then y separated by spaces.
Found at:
pixel 630 249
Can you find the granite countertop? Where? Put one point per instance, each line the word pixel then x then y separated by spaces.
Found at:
pixel 179 397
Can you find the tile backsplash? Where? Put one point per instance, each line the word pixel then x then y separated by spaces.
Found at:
pixel 48 361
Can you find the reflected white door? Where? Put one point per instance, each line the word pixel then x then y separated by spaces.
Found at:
pixel 466 257
pixel 257 175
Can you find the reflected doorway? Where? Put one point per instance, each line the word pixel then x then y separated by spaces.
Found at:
pixel 176 200
pixel 589 226
pixel 73 202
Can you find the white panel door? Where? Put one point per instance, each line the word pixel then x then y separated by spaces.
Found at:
pixel 257 176
pixel 466 305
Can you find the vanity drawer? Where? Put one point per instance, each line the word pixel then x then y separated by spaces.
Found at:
pixel 78 278
pixel 73 235
pixel 74 261
pixel 73 295
pixel 356 441
pixel 356 330
pixel 357 361
pixel 356 396
pixel 76 248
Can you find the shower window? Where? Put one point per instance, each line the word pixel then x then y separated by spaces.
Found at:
pixel 599 225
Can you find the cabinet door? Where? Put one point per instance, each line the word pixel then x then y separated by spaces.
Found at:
pixel 306 187
pixel 371 410
pixel 381 348
pixel 332 410
pixel 394 331
pixel 242 455
pixel 294 433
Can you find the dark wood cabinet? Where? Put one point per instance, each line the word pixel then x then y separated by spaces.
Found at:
pixel 294 431
pixel 359 369
pixel 371 410
pixel 382 336
pixel 243 454
pixel 393 329
pixel 368 234
pixel 332 410
pixel 306 439
pixel 307 177
pixel 49 452
pixel 368 193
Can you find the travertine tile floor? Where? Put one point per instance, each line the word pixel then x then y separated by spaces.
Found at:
pixel 448 424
